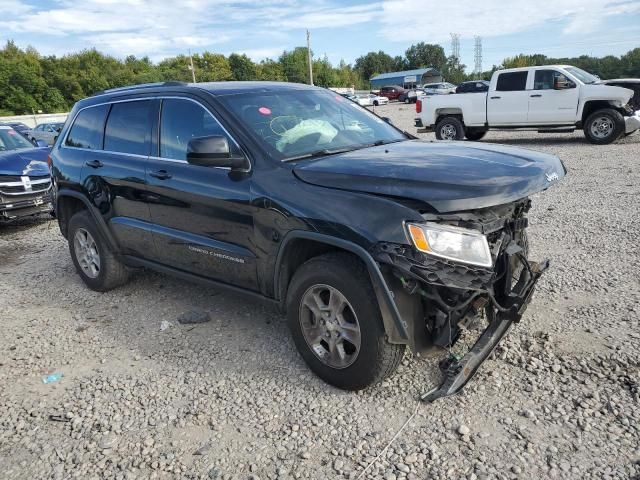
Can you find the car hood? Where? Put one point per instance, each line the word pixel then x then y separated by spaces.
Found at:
pixel 449 176
pixel 31 161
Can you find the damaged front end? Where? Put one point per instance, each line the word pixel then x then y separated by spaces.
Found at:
pixel 441 298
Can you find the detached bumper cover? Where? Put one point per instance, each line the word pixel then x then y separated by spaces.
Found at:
pixel 457 373
pixel 632 123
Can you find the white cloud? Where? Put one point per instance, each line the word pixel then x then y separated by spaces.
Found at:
pixel 433 21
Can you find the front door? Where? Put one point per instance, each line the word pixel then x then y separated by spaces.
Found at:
pixel 553 99
pixel 508 104
pixel 202 216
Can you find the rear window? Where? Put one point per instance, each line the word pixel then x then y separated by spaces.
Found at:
pixel 512 81
pixel 86 131
pixel 129 128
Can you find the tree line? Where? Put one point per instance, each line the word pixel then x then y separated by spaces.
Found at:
pixel 30 82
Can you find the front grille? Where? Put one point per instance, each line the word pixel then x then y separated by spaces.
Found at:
pixel 24 185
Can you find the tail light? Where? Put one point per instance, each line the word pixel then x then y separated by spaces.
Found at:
pixel 418 105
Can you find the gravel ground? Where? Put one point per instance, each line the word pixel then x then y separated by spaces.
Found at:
pixel 144 396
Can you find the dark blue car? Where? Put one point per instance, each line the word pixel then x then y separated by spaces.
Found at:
pixel 25 181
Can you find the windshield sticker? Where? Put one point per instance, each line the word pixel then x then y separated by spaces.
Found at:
pixel 264 111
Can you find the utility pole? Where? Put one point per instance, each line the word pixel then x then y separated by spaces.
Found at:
pixel 191 67
pixel 478 57
pixel 309 60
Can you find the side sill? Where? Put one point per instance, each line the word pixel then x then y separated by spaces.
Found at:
pixel 141 262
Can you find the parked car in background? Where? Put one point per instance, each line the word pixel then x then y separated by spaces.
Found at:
pixel 370 240
pixel 631 84
pixel 25 182
pixel 442 88
pixel 549 99
pixel 45 131
pixel 473 86
pixel 392 92
pixel 370 99
pixel 19 127
pixel 410 96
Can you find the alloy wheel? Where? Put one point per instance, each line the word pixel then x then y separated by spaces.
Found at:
pixel 448 132
pixel 330 326
pixel 86 252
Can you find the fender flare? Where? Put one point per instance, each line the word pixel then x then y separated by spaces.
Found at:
pixel 97 217
pixel 395 326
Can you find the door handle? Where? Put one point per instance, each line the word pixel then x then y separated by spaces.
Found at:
pixel 94 163
pixel 536 95
pixel 495 98
pixel 161 175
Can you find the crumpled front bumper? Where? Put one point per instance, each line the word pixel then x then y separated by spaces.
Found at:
pixel 632 123
pixel 457 373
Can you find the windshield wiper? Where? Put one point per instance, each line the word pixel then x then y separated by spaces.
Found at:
pixel 319 153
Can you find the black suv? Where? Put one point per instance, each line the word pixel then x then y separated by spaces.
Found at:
pixel 369 239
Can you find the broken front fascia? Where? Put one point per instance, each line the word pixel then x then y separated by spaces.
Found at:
pixel 455 292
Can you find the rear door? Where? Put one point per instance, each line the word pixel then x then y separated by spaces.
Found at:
pixel 548 105
pixel 203 220
pixel 508 104
pixel 113 160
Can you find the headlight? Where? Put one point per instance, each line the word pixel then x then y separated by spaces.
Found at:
pixel 453 243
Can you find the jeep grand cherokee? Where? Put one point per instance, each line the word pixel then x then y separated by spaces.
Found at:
pixel 369 239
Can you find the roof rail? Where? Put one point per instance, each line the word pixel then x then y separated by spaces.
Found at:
pixel 171 83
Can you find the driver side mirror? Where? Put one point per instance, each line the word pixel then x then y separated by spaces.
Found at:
pixel 40 143
pixel 213 151
pixel 563 84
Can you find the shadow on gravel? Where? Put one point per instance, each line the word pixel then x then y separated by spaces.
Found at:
pixel 22 224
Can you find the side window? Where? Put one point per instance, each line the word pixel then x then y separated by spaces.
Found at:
pixel 129 127
pixel 512 81
pixel 182 120
pixel 544 79
pixel 549 79
pixel 86 131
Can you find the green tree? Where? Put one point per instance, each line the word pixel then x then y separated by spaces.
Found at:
pixel 423 55
pixel 270 70
pixel 374 63
pixel 242 67
pixel 295 65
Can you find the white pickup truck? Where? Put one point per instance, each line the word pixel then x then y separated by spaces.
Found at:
pixel 552 98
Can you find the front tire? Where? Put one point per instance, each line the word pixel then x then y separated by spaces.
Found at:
pixel 450 128
pixel 375 103
pixel 99 269
pixel 604 126
pixel 336 324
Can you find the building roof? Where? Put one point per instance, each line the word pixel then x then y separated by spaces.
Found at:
pixel 405 73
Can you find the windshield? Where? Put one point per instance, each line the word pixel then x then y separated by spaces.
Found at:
pixel 296 123
pixel 12 140
pixel 584 77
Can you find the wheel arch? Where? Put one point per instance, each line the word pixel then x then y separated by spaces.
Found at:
pixel 591 106
pixel 68 203
pixel 299 246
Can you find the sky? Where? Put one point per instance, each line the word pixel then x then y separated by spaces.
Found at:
pixel 339 29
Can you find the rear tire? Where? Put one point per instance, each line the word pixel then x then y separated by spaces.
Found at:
pixel 364 357
pixel 99 269
pixel 604 126
pixel 474 135
pixel 450 128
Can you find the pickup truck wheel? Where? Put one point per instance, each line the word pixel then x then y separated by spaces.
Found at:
pixel 336 323
pixel 450 128
pixel 604 126
pixel 474 135
pixel 96 265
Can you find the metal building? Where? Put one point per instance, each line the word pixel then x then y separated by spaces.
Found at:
pixel 407 79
